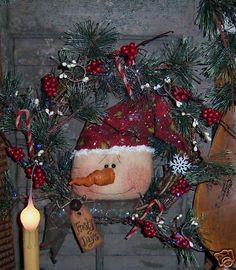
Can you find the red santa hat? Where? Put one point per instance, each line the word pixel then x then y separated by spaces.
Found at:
pixel 128 127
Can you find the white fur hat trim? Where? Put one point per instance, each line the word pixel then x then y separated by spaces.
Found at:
pixel 115 150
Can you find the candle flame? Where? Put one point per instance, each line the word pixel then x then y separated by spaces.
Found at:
pixel 30 216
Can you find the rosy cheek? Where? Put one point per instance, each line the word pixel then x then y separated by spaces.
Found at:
pixel 139 179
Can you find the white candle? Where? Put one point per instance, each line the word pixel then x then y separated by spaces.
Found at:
pixel 30 218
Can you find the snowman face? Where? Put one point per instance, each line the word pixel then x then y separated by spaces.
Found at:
pixel 133 173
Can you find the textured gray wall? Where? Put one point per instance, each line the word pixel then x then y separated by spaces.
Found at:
pixel 29 32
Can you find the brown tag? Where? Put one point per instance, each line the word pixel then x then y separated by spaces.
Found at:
pixel 85 229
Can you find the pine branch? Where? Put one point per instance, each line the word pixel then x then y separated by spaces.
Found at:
pixel 91 39
pixel 220 61
pixel 162 148
pixel 223 98
pixel 209 172
pixel 184 117
pixel 52 142
pixel 212 15
pixel 8 90
pixel 180 58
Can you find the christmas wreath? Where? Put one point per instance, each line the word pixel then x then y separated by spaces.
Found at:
pixel 159 112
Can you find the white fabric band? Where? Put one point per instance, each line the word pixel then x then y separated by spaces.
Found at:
pixel 115 150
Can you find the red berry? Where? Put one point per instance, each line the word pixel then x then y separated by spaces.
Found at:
pixel 180 94
pixel 88 68
pixel 98 69
pixel 16 153
pixel 149 229
pixel 211 116
pixel 49 84
pixel 132 45
pixel 129 62
pixel 39 176
pixel 123 48
pixel 133 51
pixel 117 52
pixel 28 171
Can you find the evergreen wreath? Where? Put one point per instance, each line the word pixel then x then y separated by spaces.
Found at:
pixel 89 68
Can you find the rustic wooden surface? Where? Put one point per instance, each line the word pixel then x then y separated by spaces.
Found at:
pixel 7 261
pixel 215 204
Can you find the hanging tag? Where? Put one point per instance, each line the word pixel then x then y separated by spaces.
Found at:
pixel 85 229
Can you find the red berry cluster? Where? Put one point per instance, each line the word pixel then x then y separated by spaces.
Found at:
pixel 95 67
pixel 16 153
pixel 149 229
pixel 181 241
pixel 181 187
pixel 38 177
pixel 212 116
pixel 180 94
pixel 128 52
pixel 50 85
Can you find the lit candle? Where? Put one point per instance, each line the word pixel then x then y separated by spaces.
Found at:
pixel 30 218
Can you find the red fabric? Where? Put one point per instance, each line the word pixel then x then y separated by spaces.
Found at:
pixel 131 124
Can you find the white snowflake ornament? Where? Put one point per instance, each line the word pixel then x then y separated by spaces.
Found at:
pixel 180 164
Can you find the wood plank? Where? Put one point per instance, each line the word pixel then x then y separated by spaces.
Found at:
pixel 7 258
pixel 6 247
pixel 5 240
pixel 5 261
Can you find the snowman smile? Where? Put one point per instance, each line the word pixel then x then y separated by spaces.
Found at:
pixel 117 193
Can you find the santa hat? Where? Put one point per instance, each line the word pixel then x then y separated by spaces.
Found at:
pixel 128 127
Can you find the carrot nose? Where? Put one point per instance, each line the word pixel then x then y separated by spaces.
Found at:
pixel 98 177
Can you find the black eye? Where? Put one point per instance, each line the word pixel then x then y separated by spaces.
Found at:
pixel 113 165
pixel 106 166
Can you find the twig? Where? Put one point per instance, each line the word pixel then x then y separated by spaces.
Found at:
pixel 228 129
pixel 219 24
pixel 62 122
pixel 145 42
pixel 7 142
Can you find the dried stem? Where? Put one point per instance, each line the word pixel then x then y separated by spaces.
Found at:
pixel 7 142
pixel 228 129
pixel 63 121
pixel 219 24
pixel 145 42
pixel 166 182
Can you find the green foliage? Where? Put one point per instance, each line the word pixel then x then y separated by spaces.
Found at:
pixel 8 89
pixel 185 115
pixel 181 58
pixel 162 148
pixel 91 39
pixel 84 106
pixel 52 142
pixel 58 174
pixel 8 121
pixel 219 59
pixel 211 10
pixel 223 98
pixel 209 172
pixel 7 201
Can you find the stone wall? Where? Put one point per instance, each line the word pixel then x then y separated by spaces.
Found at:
pixel 30 32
